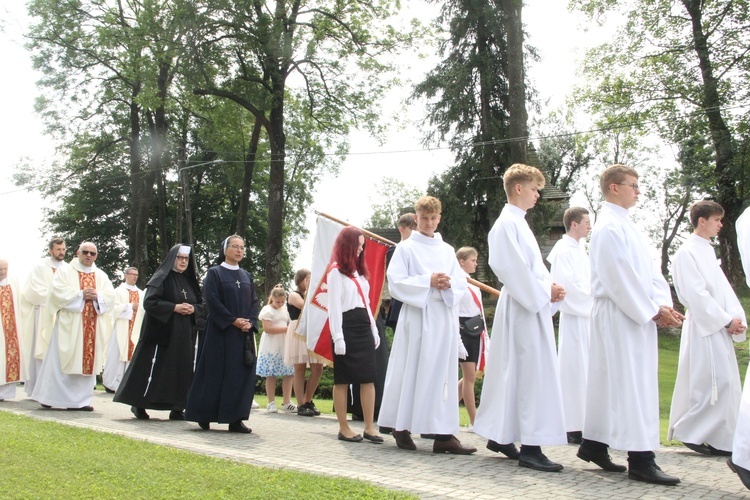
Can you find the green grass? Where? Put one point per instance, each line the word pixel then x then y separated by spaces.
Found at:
pixel 50 460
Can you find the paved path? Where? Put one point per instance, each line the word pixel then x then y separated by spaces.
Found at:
pixel 310 445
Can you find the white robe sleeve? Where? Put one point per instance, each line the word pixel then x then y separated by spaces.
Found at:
pixel 566 273
pixel 506 260
pixel 619 279
pixel 409 289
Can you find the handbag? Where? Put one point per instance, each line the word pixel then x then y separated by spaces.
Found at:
pixel 473 326
pixel 250 350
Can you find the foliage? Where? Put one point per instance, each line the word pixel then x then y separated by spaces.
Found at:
pixel 394 198
pixel 48 462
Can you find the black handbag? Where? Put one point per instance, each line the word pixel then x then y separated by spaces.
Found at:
pixel 250 356
pixel 473 326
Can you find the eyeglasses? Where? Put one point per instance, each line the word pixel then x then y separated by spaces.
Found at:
pixel 631 184
pixel 88 252
pixel 183 257
pixel 131 274
pixel 237 247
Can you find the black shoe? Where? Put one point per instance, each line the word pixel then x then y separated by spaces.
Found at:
pixel 176 415
pixel 311 405
pixel 82 408
pixel 404 440
pixel 204 425
pixel 108 390
pixel 385 430
pixel 740 471
pixel 509 450
pixel 539 462
pixel 239 427
pixel 304 410
pixel 357 418
pixel 427 436
pixel 698 448
pixel 354 439
pixel 603 460
pixel 652 474
pixel 719 453
pixel 139 413
pixel 46 407
pixel 373 438
pixel 575 437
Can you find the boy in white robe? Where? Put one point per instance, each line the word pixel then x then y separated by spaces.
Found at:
pixel 739 462
pixel 128 317
pixel 708 389
pixel 421 384
pixel 81 297
pixel 570 268
pixel 631 298
pixel 521 397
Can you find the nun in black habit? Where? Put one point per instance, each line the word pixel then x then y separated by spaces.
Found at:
pixel 161 370
pixel 224 383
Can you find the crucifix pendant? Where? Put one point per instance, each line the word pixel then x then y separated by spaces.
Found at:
pixel 184 293
pixel 238 283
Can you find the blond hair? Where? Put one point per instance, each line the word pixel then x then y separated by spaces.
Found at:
pixel 615 174
pixel 278 291
pixel 428 204
pixel 464 253
pixel 518 173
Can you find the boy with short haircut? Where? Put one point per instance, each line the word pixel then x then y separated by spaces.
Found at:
pixel 631 298
pixel 521 397
pixel 708 389
pixel 421 385
pixel 571 269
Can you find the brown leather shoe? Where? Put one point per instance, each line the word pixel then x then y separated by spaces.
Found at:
pixel 454 446
pixel 404 440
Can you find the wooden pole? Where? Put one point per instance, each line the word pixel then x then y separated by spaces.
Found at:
pixel 482 286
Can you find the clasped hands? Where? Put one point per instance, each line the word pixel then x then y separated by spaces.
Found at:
pixel 736 327
pixel 558 293
pixel 667 316
pixel 441 281
pixel 89 294
pixel 184 308
pixel 243 324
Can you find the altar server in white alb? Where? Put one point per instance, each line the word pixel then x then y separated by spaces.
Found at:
pixel 36 318
pixel 521 397
pixel 421 384
pixel 739 462
pixel 571 270
pixel 81 297
pixel 708 389
pixel 128 316
pixel 631 297
pixel 12 359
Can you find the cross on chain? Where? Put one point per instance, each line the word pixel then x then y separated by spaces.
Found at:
pixel 184 293
pixel 238 283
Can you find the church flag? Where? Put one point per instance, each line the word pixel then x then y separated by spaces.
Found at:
pixel 313 322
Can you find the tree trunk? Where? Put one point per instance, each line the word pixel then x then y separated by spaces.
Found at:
pixel 518 128
pixel 247 180
pixel 275 240
pixel 721 137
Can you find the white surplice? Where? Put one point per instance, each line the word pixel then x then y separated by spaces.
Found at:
pixel 741 442
pixel 421 385
pixel 36 318
pixel 61 382
pixel 622 399
pixel 571 269
pixel 8 387
pixel 521 398
pixel 708 390
pixel 117 349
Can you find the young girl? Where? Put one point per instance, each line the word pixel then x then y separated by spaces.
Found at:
pixel 275 319
pixel 295 351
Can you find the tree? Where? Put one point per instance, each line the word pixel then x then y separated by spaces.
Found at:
pixel 685 59
pixel 394 196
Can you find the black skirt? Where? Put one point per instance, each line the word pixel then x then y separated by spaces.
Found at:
pixel 357 366
pixel 472 345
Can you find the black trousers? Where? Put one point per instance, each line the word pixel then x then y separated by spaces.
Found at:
pixel 636 459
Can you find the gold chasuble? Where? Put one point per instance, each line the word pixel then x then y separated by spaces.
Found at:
pixel 12 353
pixel 134 298
pixel 88 280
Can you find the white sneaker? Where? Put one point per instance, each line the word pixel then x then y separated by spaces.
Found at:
pixel 470 428
pixel 255 405
pixel 290 407
pixel 272 407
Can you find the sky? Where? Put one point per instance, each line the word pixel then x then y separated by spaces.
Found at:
pixel 557 35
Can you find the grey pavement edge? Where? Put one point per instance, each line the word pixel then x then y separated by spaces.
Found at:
pixel 310 445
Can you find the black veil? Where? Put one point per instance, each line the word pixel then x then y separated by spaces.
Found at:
pixel 166 267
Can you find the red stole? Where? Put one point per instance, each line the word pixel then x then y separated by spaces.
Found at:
pixel 88 316
pixel 12 353
pixel 134 298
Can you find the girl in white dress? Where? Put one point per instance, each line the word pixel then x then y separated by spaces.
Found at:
pixel 275 318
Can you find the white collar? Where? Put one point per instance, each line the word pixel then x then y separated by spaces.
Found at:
pixel 230 266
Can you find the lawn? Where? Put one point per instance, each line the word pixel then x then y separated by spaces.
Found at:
pixel 50 460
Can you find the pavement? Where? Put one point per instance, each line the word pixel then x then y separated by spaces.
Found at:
pixel 309 444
